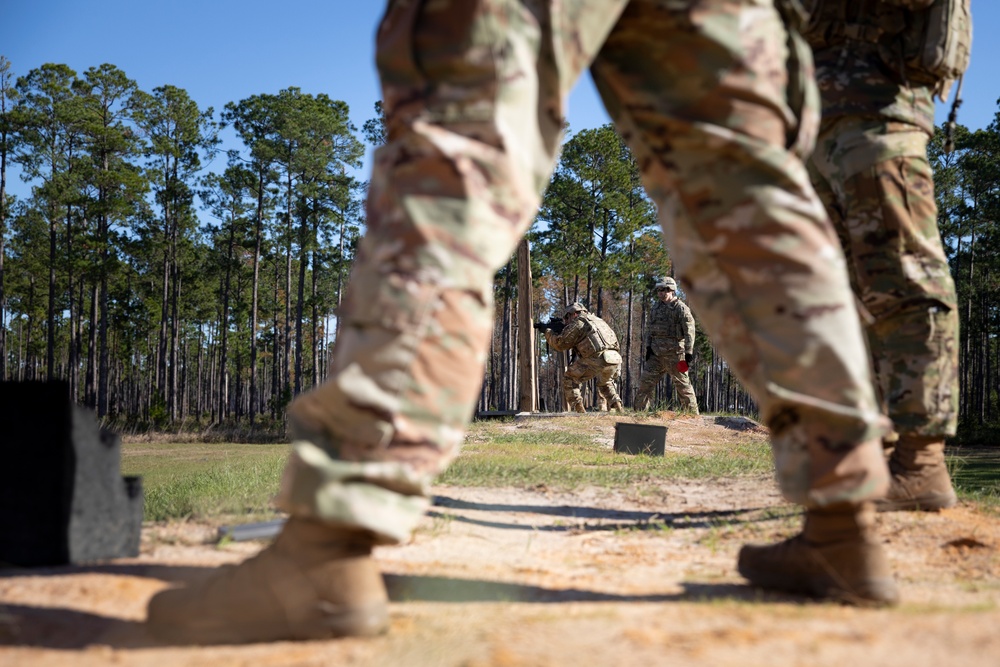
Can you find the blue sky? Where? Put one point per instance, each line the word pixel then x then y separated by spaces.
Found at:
pixel 226 50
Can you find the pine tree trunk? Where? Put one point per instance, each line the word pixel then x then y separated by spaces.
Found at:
pixel 300 293
pixel 224 322
pixel 50 344
pixel 3 225
pixel 627 377
pixel 174 331
pixel 90 394
pixel 314 302
pixel 527 384
pixel 259 222
pixel 287 367
pixel 505 347
pixel 277 363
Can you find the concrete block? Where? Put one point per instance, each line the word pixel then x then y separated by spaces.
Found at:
pixel 63 499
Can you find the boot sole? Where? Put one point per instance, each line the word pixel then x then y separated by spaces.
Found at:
pixel 875 593
pixel 870 592
pixel 369 621
pixel 926 503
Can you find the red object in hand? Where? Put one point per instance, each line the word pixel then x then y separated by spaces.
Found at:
pixel 682 366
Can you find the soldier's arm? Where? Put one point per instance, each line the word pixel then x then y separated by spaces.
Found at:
pixel 688 331
pixel 569 337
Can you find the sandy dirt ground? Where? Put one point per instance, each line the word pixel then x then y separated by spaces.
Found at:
pixel 504 577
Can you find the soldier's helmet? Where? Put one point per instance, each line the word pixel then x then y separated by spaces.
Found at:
pixel 666 283
pixel 575 307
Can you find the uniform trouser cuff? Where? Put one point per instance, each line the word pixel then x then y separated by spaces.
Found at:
pixel 385 498
pixel 830 457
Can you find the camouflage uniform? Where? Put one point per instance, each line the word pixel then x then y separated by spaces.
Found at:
pixel 717 102
pixel 474 97
pixel 871 170
pixel 669 340
pixel 598 356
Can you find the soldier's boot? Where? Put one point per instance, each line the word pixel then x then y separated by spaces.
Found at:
pixel 313 582
pixel 920 479
pixel 837 556
pixel 610 399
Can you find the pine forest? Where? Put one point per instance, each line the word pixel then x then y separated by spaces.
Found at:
pixel 180 267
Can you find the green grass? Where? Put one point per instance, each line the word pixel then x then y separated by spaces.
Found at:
pixel 975 472
pixel 211 481
pixel 570 459
pixel 196 480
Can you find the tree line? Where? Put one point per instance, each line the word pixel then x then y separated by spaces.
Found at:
pixel 110 276
pixel 178 265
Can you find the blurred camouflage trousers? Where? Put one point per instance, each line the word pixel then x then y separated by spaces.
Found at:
pixel 656 367
pixel 605 367
pixel 474 95
pixel 873 176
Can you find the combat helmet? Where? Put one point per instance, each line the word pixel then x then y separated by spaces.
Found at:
pixel 666 283
pixel 575 307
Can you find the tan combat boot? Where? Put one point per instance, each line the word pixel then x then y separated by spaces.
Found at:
pixel 837 556
pixel 920 479
pixel 313 582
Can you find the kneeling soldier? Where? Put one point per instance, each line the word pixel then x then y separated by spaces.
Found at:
pixel 597 352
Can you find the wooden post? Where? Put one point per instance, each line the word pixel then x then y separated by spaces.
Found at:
pixel 528 391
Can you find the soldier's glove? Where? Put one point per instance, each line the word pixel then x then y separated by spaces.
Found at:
pixel 689 357
pixel 539 326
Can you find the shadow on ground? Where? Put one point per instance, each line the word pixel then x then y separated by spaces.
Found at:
pixel 607 519
pixel 70 629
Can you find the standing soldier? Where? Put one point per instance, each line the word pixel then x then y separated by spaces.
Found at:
pixel 597 356
pixel 870 168
pixel 669 347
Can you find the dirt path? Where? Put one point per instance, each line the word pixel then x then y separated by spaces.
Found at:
pixel 515 577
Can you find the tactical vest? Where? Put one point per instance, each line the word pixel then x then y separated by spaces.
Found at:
pixel 599 337
pixel 926 47
pixel 668 327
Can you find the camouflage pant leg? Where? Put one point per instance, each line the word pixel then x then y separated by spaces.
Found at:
pixel 752 245
pixel 607 392
pixel 603 401
pixel 684 388
pixel 881 199
pixel 652 372
pixel 609 397
pixel 656 367
pixel 582 370
pixel 473 94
